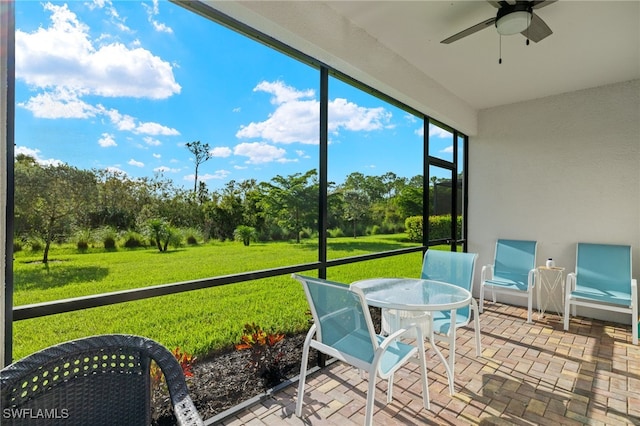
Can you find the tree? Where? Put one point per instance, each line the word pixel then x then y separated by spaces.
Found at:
pixel 356 206
pixel 293 200
pixel 245 234
pixel 409 201
pixel 161 233
pixel 201 152
pixel 50 200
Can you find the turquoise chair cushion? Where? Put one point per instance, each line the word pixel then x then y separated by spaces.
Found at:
pixel 603 273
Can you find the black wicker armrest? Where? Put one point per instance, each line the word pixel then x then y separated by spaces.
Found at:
pixel 95 380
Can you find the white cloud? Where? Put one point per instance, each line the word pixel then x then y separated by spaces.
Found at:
pixel 259 152
pixel 447 150
pixel 439 132
pixel 116 170
pixel 302 154
pixel 151 141
pixel 350 116
pixel 126 122
pixel 152 12
pixel 63 55
pixel 135 163
pixel 107 140
pixel 296 116
pixel 156 155
pixel 163 169
pixel 411 118
pixel 282 93
pixel 59 103
pixel 111 12
pixel 151 128
pixel 220 151
pixel 218 174
pixel 64 64
pixel 35 154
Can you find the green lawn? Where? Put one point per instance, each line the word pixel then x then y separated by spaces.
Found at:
pixel 200 321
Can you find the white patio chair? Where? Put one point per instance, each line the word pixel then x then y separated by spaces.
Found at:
pixel 513 272
pixel 455 268
pixel 343 330
pixel 603 280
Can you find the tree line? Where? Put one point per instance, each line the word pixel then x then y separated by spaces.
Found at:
pixel 54 203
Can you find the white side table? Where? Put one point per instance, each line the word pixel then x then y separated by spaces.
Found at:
pixel 550 279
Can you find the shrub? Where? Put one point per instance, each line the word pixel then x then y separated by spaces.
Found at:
pixel 305 233
pixel 439 227
pixel 82 239
pixel 160 233
pixel 108 236
pixel 413 227
pixel 133 239
pixel 192 236
pixel 335 233
pixel 175 237
pixel 265 356
pixel 245 234
pixel 36 244
pixel 17 246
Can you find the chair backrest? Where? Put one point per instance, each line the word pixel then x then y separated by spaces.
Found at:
pixel 95 380
pixel 604 266
pixel 452 267
pixel 514 259
pixel 340 315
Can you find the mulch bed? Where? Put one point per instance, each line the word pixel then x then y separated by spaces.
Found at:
pixel 227 379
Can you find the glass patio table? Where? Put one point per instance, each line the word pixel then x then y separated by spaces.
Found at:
pixel 418 295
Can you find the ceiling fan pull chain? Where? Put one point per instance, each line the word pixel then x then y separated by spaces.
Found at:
pixel 529 26
pixel 500 49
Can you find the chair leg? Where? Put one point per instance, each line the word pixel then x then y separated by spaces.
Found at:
pixel 451 336
pixel 476 326
pixel 303 370
pixel 634 323
pixel 529 306
pixel 368 416
pixel 567 306
pixel 390 389
pixel 481 298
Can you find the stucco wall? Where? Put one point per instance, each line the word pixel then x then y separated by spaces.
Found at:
pixel 558 170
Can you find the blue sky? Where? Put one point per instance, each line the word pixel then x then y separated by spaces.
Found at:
pixel 124 85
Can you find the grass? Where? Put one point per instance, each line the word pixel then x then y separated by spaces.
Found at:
pixel 202 321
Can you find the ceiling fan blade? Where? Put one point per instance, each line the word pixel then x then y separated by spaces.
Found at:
pixel 493 3
pixel 538 29
pixel 470 30
pixel 539 4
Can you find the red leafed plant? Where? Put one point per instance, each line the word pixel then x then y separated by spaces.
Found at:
pixel 185 359
pixel 265 357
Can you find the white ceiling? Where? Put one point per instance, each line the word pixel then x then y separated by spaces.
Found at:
pixel 395 47
pixel 593 43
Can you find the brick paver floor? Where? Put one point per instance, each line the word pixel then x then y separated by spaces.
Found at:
pixel 528 374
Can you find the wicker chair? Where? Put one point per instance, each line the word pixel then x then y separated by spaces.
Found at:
pixel 98 380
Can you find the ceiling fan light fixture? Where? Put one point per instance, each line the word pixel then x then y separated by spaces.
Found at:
pixel 514 22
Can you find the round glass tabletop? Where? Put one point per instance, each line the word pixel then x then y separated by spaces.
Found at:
pixel 413 294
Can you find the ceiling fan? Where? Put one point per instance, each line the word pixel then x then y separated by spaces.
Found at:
pixel 513 17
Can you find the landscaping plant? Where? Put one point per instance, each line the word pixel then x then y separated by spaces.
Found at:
pixel 265 356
